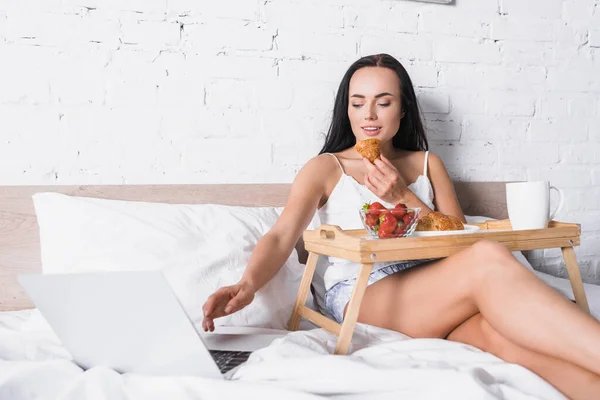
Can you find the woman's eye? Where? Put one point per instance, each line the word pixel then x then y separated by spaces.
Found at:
pixel 384 104
pixel 356 105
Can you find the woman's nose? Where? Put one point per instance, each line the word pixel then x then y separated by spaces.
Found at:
pixel 370 113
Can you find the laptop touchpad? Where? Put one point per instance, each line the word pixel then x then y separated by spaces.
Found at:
pixel 238 342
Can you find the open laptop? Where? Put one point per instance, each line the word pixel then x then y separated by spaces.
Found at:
pixel 133 322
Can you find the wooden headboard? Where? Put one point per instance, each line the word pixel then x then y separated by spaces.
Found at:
pixel 19 237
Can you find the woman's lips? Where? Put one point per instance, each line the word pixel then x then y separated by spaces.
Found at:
pixel 371 132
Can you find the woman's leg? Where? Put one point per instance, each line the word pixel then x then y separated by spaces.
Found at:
pixel 572 380
pixel 433 299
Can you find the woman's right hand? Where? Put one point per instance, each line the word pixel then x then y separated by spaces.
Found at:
pixel 225 301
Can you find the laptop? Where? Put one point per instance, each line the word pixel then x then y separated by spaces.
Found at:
pixel 133 322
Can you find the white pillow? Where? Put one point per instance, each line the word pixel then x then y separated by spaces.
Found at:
pixel 199 248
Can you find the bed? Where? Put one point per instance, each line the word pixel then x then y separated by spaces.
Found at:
pixel 382 364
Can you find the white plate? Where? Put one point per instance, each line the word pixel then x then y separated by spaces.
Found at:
pixel 468 229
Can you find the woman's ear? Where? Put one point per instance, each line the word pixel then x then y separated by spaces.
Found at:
pixel 402 114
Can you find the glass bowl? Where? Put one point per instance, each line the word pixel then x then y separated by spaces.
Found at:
pixel 397 222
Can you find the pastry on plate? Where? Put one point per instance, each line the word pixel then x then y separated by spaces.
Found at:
pixel 436 221
pixel 368 148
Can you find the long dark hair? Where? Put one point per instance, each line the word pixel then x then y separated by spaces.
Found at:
pixel 410 136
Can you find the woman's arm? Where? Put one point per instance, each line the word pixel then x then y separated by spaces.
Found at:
pixel 444 196
pixel 273 249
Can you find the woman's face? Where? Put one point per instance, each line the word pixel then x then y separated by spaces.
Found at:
pixel 374 105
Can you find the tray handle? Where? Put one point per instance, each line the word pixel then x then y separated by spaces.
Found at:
pixel 329 231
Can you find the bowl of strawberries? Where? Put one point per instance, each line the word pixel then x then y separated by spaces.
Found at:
pixel 384 223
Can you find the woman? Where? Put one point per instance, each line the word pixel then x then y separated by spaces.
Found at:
pixel 481 296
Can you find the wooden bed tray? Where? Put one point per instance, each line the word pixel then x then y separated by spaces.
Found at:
pixel 354 245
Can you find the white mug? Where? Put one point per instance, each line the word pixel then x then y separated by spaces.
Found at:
pixel 528 204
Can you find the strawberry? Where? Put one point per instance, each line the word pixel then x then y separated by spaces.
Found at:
pixel 400 230
pixel 371 220
pixel 399 210
pixel 385 235
pixel 408 218
pixel 388 222
pixel 374 208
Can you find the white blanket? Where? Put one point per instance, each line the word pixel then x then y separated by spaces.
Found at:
pixel 382 365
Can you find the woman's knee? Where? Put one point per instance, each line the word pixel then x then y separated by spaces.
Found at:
pixel 490 249
pixel 492 258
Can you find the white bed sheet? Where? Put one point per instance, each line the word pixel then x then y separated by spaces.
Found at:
pixel 383 365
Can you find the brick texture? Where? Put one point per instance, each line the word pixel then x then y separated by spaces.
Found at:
pixel 162 91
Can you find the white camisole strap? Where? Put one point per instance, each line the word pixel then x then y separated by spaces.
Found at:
pixel 425 166
pixel 338 162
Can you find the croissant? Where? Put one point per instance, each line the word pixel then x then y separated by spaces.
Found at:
pixel 368 148
pixel 436 221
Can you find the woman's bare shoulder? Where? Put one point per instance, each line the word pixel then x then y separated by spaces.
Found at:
pixel 417 158
pixel 435 163
pixel 325 163
pixel 318 176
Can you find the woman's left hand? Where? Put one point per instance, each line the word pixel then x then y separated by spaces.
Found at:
pixel 384 180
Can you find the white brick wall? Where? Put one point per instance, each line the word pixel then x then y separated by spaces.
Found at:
pixel 162 91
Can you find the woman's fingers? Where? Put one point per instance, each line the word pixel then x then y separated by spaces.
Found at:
pixel 385 165
pixel 233 305
pixel 368 184
pixel 214 307
pixel 377 177
pixel 207 324
pixel 224 301
pixel 387 169
pixel 209 306
pixel 239 301
pixel 211 303
pixel 371 187
pixel 392 176
pixel 370 166
pixel 209 310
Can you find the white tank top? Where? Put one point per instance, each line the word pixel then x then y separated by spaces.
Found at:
pixel 341 209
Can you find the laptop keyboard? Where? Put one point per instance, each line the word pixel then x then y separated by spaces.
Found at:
pixel 227 360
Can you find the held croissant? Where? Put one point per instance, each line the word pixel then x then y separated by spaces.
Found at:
pixel 368 148
pixel 436 221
